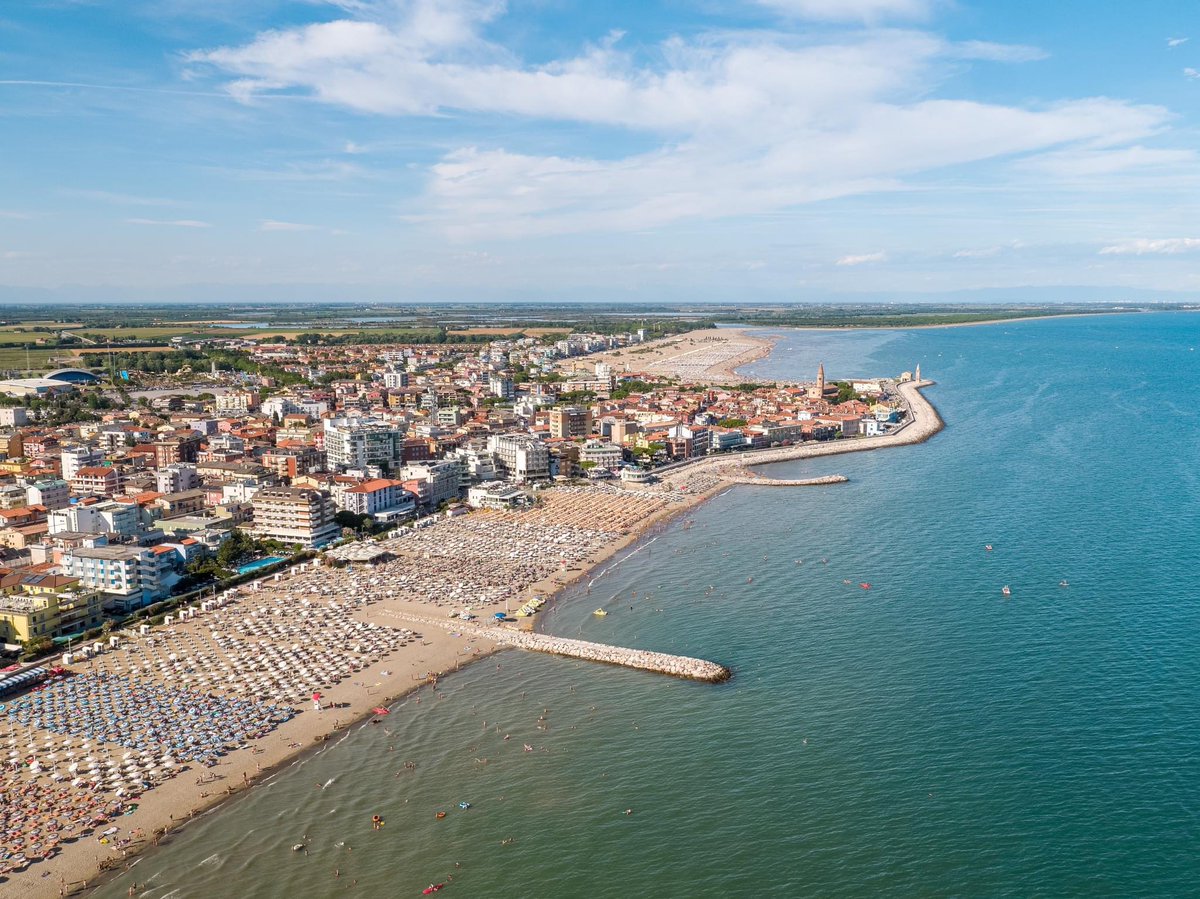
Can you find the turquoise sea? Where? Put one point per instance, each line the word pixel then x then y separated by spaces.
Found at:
pixel 926 737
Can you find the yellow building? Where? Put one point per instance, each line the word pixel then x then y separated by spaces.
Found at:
pixel 16 466
pixel 45 605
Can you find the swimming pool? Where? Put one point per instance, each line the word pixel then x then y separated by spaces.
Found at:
pixel 259 563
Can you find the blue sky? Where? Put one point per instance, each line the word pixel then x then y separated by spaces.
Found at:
pixel 545 149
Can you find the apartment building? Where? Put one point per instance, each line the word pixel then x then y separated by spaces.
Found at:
pixel 128 577
pixel 521 457
pixel 96 480
pixel 52 493
pixel 381 496
pixel 294 515
pixel 176 478
pixel 45 605
pixel 74 457
pixel 363 442
pixel 570 422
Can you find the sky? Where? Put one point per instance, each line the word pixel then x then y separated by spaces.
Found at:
pixel 710 150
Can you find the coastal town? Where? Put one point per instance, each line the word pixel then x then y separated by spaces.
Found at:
pixel 209 550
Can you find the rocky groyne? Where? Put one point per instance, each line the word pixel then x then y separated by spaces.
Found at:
pixel 755 479
pixel 645 660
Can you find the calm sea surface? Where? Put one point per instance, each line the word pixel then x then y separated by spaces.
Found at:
pixel 926 737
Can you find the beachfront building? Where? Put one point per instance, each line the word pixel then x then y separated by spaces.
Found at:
pixel 477 463
pixel 600 454
pixel 300 515
pixel 128 577
pixel 433 483
pixel 522 457
pixel 570 422
pixel 51 493
pixel 687 441
pixel 362 443
pixel 378 497
pixel 496 495
pixel 36 605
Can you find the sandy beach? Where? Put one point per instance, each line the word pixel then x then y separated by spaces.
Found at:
pixel 388 623
pixel 706 356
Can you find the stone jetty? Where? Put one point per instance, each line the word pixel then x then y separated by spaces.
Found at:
pixel 755 479
pixel 645 660
pixel 676 666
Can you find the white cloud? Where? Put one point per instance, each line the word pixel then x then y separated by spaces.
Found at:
pixel 1176 41
pixel 851 10
pixel 272 225
pixel 744 122
pixel 12 214
pixel 170 223
pixel 1191 73
pixel 1086 162
pixel 1142 246
pixel 979 253
pixel 864 259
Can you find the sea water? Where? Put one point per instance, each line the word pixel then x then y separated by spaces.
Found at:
pixel 924 737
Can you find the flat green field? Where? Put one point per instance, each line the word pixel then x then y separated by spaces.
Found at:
pixel 13 358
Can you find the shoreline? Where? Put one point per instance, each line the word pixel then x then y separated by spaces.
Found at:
pixel 169 808
pixel 987 321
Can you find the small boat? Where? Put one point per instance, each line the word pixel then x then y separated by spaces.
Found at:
pixel 297 847
pixel 599 613
pixel 440 815
pixel 432 888
pixel 1063 583
pixel 865 585
pixel 464 805
pixel 988 547
pixel 1005 590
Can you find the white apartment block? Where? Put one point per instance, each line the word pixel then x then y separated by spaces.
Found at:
pixel 378 496
pixel 76 457
pixel 136 574
pixel 435 482
pixel 53 493
pixel 601 454
pixel 522 457
pixel 176 478
pixel 13 416
pixel 363 442
pixel 96 518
